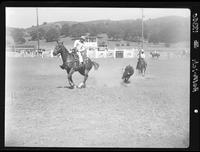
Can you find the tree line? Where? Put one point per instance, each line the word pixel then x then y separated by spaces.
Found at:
pixel 162 30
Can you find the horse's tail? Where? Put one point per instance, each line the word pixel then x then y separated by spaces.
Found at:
pixel 96 65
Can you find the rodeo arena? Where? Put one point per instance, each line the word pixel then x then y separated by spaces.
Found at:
pixel 94 50
pixel 104 101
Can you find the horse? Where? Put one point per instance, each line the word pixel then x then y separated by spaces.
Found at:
pixel 128 72
pixel 141 66
pixel 71 64
pixel 153 54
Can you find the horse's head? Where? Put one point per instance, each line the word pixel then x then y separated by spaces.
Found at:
pixel 58 49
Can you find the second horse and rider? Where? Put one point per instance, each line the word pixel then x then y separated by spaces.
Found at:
pixel 77 52
pixel 141 67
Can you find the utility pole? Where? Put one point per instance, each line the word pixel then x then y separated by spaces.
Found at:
pixel 142 30
pixel 38 40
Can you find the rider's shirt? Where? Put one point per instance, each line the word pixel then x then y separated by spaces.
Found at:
pixel 79 45
pixel 142 55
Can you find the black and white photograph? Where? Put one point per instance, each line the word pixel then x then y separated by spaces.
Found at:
pixel 114 77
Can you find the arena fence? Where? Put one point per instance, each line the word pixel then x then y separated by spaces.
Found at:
pixel 115 53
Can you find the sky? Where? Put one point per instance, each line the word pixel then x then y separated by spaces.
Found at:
pixel 24 17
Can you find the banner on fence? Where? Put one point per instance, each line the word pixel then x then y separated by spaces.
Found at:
pixel 101 54
pixel 110 54
pixel 128 54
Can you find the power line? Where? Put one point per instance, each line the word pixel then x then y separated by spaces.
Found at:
pixel 142 29
pixel 37 29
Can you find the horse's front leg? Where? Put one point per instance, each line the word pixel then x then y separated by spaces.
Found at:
pixel 144 70
pixel 69 76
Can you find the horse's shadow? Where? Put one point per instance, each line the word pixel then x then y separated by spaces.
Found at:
pixel 68 87
pixel 71 87
pixel 125 84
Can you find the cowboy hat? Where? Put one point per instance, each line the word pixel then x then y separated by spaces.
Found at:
pixel 82 37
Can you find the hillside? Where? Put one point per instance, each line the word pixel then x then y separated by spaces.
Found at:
pixel 164 30
pixel 125 23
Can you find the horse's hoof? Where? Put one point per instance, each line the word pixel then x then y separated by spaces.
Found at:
pixel 62 67
pixel 71 87
pixel 80 85
pixel 127 81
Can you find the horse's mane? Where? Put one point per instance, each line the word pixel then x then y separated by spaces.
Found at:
pixel 67 52
pixel 65 49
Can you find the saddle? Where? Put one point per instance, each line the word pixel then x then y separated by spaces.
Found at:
pixel 76 57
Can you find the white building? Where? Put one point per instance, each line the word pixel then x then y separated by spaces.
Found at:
pixel 92 46
pixel 91 42
pixel 100 50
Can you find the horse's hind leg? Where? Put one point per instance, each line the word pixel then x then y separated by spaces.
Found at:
pixel 83 84
pixel 126 80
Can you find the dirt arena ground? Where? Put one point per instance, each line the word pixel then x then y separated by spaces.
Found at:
pixel 151 111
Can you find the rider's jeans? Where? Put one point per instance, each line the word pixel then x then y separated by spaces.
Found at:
pixel 80 56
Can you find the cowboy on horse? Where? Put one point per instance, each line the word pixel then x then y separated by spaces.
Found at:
pixel 79 48
pixel 141 64
pixel 141 56
pixel 71 64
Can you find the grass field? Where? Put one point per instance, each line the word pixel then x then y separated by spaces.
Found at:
pixel 151 111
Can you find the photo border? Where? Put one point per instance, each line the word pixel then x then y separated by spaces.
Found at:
pixel 194 66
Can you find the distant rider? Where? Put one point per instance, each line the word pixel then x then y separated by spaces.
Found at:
pixel 141 56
